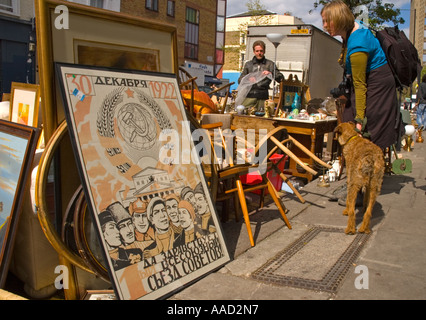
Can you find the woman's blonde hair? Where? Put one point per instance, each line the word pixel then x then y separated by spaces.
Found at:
pixel 338 12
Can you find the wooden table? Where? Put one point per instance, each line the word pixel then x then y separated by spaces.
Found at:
pixel 309 133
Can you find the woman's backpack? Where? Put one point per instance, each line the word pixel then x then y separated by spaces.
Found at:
pixel 401 54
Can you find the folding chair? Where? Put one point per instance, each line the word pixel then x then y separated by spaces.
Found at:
pixel 276 140
pixel 219 175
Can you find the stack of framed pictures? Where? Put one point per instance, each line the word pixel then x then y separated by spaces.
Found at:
pixel 74 33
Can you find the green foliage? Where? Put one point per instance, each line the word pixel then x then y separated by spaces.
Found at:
pixel 258 16
pixel 257 11
pixel 379 13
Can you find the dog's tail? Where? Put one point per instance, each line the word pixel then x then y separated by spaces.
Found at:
pixel 372 173
pixel 367 165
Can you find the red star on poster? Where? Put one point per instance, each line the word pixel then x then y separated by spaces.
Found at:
pixel 129 93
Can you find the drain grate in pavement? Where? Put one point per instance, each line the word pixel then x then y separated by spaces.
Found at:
pixel 318 260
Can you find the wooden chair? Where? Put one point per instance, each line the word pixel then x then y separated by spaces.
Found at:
pixel 276 141
pixel 188 84
pixel 291 84
pixel 223 100
pixel 186 81
pixel 225 182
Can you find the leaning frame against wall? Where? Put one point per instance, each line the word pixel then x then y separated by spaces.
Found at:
pixel 17 148
pixel 139 166
pixel 24 103
pixel 71 33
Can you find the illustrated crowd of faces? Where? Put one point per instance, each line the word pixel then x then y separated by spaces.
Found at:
pixel 148 227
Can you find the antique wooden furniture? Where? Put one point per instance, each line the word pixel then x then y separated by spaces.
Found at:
pixel 197 101
pixel 309 134
pixel 288 88
pixel 225 182
pixel 276 139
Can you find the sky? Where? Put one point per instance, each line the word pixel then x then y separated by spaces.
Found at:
pixel 300 9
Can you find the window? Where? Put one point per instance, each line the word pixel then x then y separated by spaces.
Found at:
pixel 242 60
pixel 219 56
pixel 221 8
pixel 220 24
pixel 191 33
pixel 170 8
pixel 242 38
pixel 220 40
pixel 151 5
pixel 220 31
pixel 97 3
pixel 9 6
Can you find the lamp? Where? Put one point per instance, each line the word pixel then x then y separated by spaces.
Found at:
pixel 276 39
pixel 409 131
pixel 419 134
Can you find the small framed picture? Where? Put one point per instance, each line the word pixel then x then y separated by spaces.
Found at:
pixel 99 295
pixel 17 149
pixel 24 103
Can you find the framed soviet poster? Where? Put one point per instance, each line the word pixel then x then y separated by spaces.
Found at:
pixel 128 130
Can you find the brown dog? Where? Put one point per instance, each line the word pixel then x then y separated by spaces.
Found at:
pixel 365 167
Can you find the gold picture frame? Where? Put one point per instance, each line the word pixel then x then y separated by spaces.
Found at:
pixel 56 43
pixel 122 57
pixel 24 103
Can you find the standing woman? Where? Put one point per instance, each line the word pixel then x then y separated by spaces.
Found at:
pixel 373 104
pixel 421 104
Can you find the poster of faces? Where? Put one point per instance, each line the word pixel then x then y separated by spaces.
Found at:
pixel 143 182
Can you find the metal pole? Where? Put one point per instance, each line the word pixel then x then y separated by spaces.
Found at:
pixel 275 67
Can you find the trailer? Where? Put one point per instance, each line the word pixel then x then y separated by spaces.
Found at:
pixel 306 52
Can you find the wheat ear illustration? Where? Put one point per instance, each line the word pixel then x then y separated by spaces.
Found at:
pixel 105 120
pixel 163 121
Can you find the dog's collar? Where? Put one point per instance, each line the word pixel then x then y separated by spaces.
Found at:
pixel 351 138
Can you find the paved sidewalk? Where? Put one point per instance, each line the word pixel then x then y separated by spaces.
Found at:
pixel 315 260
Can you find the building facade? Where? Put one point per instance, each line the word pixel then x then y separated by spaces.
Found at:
pixel 18 39
pixel 200 27
pixel 113 5
pixel 418 27
pixel 17 43
pixel 236 34
pixel 200 33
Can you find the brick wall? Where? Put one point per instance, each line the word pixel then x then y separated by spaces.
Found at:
pixel 207 27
